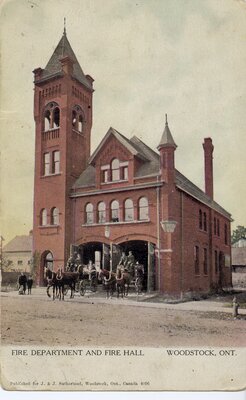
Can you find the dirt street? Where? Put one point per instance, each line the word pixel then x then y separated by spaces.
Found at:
pixel 37 320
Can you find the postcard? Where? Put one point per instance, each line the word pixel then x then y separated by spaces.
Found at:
pixel 122 219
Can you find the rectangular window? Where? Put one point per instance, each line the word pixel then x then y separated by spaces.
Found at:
pixel 196 260
pixel 205 222
pixel 205 261
pixel 226 234
pixel 216 261
pixel 20 262
pixel 125 173
pixel 56 162
pixel 46 164
pixel 218 227
pixel 105 176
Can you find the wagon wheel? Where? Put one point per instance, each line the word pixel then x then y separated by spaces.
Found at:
pixel 82 288
pixel 93 285
pixel 77 287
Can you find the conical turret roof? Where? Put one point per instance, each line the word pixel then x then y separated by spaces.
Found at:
pixel 54 67
pixel 167 139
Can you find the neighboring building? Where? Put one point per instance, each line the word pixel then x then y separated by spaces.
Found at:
pixel 238 253
pixel 123 197
pixel 17 254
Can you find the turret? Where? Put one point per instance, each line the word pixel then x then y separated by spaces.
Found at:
pixel 167 148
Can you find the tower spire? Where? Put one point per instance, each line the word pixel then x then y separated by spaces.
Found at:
pixel 166 119
pixel 64 30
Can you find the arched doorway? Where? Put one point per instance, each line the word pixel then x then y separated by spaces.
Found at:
pixel 47 260
pixel 144 253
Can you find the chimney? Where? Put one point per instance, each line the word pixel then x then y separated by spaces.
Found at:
pixel 208 167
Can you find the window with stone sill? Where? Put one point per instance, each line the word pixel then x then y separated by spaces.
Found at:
pixel 101 213
pixel 143 209
pixel 128 210
pixel 54 216
pixel 115 211
pixel 43 217
pixel 89 217
pixel 51 116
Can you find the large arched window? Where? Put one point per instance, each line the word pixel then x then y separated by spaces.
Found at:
pixel 54 216
pixel 78 119
pixel 115 211
pixel 51 116
pixel 143 208
pixel 101 212
pixel 89 218
pixel 128 210
pixel 43 217
pixel 115 169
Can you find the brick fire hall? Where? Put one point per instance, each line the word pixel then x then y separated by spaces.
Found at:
pixel 123 197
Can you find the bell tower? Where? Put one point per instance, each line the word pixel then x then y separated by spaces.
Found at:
pixel 63 121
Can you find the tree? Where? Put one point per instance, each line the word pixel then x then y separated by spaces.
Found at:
pixel 238 233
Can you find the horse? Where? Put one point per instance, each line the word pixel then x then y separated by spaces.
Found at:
pixel 50 276
pixel 120 282
pixel 58 280
pixel 139 277
pixel 109 280
pixel 70 279
pixel 123 280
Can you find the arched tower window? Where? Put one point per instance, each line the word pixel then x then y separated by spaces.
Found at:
pixel 128 210
pixel 56 117
pixel 101 212
pixel 51 116
pixel 78 119
pixel 143 208
pixel 43 217
pixel 115 168
pixel 115 211
pixel 54 216
pixel 89 217
pixel 47 120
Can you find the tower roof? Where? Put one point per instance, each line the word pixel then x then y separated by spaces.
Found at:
pixel 167 139
pixel 54 67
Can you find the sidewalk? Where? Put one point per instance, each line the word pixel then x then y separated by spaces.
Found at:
pixel 143 300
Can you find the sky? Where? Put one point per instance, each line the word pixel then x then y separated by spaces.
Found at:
pixel 186 58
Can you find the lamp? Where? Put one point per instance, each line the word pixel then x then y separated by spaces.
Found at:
pixel 168 226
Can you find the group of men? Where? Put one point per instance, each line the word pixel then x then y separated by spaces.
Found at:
pixel 128 262
pixel 25 282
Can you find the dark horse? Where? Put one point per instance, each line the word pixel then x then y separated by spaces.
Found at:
pixel 109 281
pixel 50 276
pixel 123 280
pixel 58 280
pixel 139 277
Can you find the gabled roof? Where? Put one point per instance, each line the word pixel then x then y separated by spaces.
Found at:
pixel 190 188
pixel 150 166
pixel 19 243
pixel 128 144
pixel 54 67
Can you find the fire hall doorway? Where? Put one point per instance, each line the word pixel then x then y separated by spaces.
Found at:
pixel 144 253
pixel 108 256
